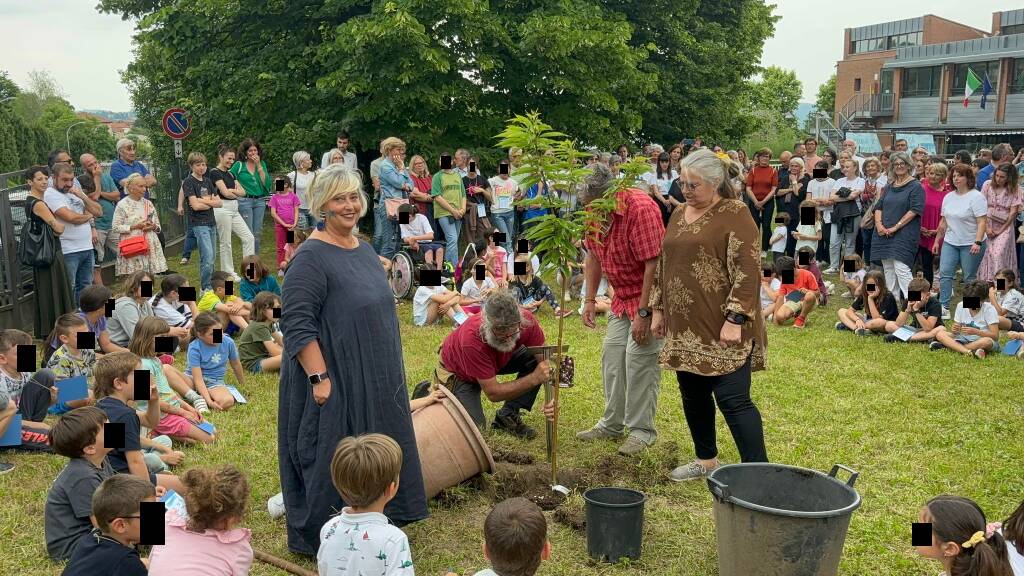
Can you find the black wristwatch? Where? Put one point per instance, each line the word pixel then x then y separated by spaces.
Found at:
pixel 644 312
pixel 979 242
pixel 736 318
pixel 315 379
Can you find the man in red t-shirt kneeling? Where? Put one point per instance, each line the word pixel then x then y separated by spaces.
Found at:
pixel 488 344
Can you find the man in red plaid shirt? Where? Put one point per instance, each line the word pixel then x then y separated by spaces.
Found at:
pixel 626 251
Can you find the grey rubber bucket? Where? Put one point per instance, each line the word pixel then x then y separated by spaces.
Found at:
pixel 779 520
pixel 615 523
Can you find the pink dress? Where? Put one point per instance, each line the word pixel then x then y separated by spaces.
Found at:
pixel 932 212
pixel 210 553
pixel 1001 251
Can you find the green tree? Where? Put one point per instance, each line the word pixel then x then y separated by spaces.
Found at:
pixel 826 99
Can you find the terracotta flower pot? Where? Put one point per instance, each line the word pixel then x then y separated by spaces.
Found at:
pixel 451 448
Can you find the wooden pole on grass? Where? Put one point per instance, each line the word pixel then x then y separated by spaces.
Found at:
pixel 282 563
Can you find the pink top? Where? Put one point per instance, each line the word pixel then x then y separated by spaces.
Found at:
pixel 212 553
pixel 499 261
pixel 932 212
pixel 285 204
pixel 1000 204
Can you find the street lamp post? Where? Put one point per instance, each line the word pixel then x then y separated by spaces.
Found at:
pixel 67 135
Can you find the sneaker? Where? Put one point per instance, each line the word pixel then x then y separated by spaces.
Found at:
pixel 830 286
pixel 184 260
pixel 632 446
pixel 799 322
pixel 596 433
pixel 861 332
pixel 890 338
pixel 936 346
pixel 980 354
pixel 514 425
pixel 275 505
pixel 6 467
pixel 692 471
pixel 841 327
pixel 945 313
pixel 829 271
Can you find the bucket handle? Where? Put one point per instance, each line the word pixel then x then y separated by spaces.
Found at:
pixel 718 489
pixel 835 470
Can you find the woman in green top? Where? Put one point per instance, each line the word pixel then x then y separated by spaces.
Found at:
pixel 449 206
pixel 251 173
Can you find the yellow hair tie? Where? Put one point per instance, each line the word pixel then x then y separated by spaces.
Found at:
pixel 976 539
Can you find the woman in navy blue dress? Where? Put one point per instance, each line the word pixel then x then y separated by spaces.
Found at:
pixel 342 372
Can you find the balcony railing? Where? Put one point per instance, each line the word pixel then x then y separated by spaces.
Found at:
pixel 866 106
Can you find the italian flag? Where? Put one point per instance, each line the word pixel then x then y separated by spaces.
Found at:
pixel 972 84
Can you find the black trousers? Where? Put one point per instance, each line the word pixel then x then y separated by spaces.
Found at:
pixel 469 393
pixel 732 393
pixel 927 260
pixel 764 218
pixel 822 254
pixel 35 396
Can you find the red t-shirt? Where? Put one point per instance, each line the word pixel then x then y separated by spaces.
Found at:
pixel 422 185
pixel 802 280
pixel 761 180
pixel 466 354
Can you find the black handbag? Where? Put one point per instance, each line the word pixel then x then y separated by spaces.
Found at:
pixel 38 243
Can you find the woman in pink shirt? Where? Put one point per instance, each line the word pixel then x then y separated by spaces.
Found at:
pixel 202 540
pixel 935 189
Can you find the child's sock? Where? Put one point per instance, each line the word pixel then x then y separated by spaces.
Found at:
pixel 197 401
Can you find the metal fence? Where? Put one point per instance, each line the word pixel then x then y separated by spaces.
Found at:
pixel 17 293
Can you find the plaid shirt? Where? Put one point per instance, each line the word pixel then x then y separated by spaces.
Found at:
pixel 634 237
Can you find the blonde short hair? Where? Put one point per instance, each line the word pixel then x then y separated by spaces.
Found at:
pixel 195 158
pixel 390 144
pixel 364 466
pixel 130 180
pixel 333 181
pixel 939 167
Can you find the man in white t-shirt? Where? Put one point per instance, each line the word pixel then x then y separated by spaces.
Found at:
pixel 78 212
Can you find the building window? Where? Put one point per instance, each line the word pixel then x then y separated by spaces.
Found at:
pixel 1014 29
pixel 980 69
pixel 921 82
pixel 1017 81
pixel 856 84
pixel 904 40
pixel 869 45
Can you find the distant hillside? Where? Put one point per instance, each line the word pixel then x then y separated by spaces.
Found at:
pixel 803 109
pixel 114 116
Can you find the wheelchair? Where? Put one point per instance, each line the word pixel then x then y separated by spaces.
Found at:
pixel 405 272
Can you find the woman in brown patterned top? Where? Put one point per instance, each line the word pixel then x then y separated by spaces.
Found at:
pixel 705 301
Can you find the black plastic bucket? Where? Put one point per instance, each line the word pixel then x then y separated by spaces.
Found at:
pixel 778 520
pixel 615 523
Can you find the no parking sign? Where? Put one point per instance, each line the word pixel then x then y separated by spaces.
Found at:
pixel 177 126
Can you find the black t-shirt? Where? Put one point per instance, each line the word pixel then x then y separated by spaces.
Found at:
pixel 676 191
pixel 118 411
pixel 99 555
pixel 932 309
pixel 200 189
pixel 791 202
pixel 216 174
pixel 887 307
pixel 480 182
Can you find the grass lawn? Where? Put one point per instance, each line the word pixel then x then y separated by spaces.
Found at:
pixel 914 423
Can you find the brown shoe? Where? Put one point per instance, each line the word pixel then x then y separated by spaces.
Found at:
pixel 632 446
pixel 596 433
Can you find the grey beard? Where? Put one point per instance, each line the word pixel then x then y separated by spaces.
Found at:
pixel 497 344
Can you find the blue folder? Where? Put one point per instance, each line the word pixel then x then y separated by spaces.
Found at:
pixel 12 437
pixel 72 389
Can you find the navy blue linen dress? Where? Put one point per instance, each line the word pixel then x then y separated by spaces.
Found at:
pixel 341 298
pixel 895 203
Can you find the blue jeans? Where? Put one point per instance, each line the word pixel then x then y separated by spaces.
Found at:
pixel 865 236
pixel 949 258
pixel 306 219
pixel 79 265
pixel 190 239
pixel 451 228
pixel 252 211
pixel 385 232
pixel 506 222
pixel 205 241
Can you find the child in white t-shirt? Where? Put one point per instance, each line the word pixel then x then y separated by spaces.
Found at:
pixel 1008 301
pixel 808 234
pixel 780 235
pixel 474 290
pixel 770 284
pixel 419 237
pixel 975 329
pixel 853 273
pixel 431 303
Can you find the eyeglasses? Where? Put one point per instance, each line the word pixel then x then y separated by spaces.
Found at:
pixel 507 335
pixel 691 186
pixel 899 163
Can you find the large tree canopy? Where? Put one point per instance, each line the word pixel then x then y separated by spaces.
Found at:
pixel 442 73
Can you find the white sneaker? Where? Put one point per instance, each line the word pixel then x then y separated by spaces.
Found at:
pixel 945 313
pixel 275 505
pixel 829 271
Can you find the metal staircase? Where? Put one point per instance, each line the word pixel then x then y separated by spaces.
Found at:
pixel 826 132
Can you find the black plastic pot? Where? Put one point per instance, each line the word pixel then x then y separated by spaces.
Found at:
pixel 778 520
pixel 615 523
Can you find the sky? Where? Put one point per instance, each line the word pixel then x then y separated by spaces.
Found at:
pixel 87 59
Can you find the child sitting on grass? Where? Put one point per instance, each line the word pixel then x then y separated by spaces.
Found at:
pixel 962 540
pixel 231 310
pixel 258 350
pixel 78 436
pixel 68 361
pixel 824 286
pixel 208 356
pixel 92 306
pixel 515 538
pixel 878 305
pixel 475 290
pixel 796 296
pixel 770 284
pixel 975 329
pixel 1012 531
pixel 206 541
pixel 109 550
pixel 256 278
pixel 853 279
pixel 531 291
pixel 1008 301
pixel 168 306
pixel 298 237
pixel 177 419
pixel 32 393
pixel 115 384
pixel 432 303
pixel 365 470
pixel 923 314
